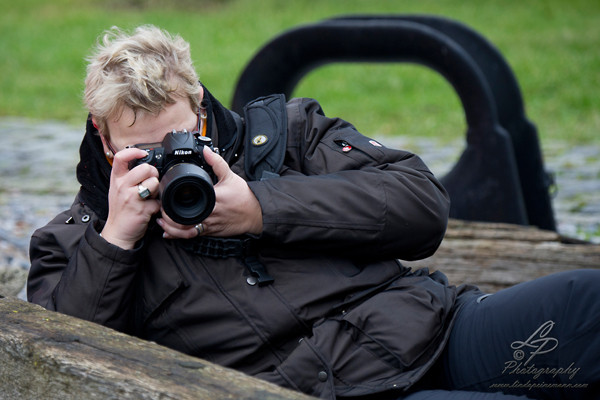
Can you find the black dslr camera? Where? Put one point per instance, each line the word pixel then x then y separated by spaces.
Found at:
pixel 186 180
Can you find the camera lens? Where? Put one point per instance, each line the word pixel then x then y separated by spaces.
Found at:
pixel 187 194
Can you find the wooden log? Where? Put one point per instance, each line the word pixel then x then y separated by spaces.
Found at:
pixel 48 355
pixel 494 256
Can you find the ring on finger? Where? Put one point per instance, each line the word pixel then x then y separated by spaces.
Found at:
pixel 199 229
pixel 143 191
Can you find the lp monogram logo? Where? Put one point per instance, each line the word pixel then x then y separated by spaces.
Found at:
pixel 538 343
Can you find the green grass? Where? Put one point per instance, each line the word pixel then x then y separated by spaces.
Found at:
pixel 552 46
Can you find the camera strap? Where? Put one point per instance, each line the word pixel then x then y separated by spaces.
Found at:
pixel 265 136
pixel 243 248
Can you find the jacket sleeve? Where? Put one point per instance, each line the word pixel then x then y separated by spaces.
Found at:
pixel 76 272
pixel 342 192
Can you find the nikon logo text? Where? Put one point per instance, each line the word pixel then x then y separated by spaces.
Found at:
pixel 182 152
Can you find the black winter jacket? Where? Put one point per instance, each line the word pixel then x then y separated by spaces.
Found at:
pixel 342 318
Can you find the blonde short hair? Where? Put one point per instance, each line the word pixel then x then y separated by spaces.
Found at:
pixel 143 71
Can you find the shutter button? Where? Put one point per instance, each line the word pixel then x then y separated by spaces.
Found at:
pixel 322 376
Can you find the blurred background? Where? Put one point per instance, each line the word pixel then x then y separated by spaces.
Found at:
pixel 551 45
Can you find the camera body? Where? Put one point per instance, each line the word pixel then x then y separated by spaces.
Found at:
pixel 186 180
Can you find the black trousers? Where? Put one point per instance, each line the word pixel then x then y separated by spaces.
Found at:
pixel 538 340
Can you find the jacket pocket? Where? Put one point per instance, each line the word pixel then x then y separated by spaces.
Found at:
pixel 389 340
pixel 404 319
pixel 154 304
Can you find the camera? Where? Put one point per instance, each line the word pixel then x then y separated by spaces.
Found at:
pixel 186 180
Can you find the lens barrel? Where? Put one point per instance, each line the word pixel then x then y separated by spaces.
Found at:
pixel 187 194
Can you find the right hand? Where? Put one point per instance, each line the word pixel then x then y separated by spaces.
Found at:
pixel 237 210
pixel 128 213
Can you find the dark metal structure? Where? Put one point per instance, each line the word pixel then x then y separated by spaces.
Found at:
pixel 500 176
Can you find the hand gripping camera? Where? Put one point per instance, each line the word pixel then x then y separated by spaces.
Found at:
pixel 186 180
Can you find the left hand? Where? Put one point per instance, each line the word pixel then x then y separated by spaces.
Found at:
pixel 236 212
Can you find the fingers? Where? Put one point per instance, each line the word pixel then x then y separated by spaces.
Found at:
pixel 130 207
pixel 219 165
pixel 173 230
pixel 122 158
pixel 143 176
pixel 151 184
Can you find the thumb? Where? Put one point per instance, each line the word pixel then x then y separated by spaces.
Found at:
pixel 218 164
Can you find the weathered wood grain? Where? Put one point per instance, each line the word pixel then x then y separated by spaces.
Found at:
pixel 47 355
pixel 495 256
